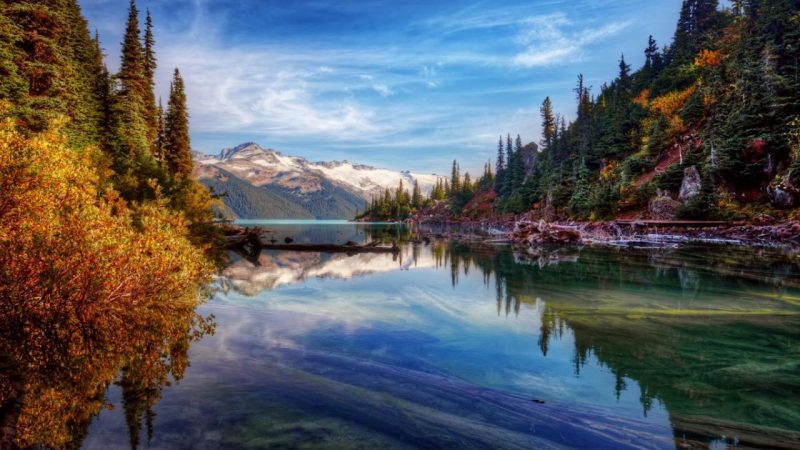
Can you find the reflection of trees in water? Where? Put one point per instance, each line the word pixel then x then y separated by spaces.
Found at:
pixel 52 387
pixel 716 374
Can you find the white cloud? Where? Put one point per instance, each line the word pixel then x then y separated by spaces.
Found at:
pixel 429 94
pixel 382 89
pixel 554 39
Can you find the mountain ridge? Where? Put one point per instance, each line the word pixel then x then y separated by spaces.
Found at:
pixel 295 185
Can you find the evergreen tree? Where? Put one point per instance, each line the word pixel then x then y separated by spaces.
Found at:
pixel 455 177
pixel 104 92
pixel 500 167
pixel 505 187
pixel 151 110
pixel 178 152
pixel 548 124
pixel 130 107
pixel 416 195
pixel 698 19
pixel 624 78
pixel 583 121
pixel 161 135
pixel 650 53
pixel 509 150
pixel 49 67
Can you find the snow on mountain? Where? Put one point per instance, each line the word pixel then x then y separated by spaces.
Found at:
pixel 273 271
pixel 262 183
pixel 262 167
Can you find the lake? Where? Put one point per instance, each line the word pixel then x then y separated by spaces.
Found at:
pixel 449 345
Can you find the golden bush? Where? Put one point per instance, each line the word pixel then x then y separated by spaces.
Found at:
pixel 88 285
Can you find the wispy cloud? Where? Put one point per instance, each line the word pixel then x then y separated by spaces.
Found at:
pixel 380 88
pixel 435 80
pixel 554 39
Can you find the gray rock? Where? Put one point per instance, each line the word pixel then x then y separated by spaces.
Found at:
pixel 663 208
pixel 780 196
pixel 691 184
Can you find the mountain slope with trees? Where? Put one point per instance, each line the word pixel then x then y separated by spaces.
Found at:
pixel 707 128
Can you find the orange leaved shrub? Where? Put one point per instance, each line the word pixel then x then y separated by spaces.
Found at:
pixel 708 58
pixel 88 285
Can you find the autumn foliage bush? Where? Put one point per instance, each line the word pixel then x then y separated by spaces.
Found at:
pixel 87 281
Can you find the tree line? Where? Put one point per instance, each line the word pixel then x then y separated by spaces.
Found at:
pixel 400 204
pixel 723 98
pixel 53 67
pixel 106 238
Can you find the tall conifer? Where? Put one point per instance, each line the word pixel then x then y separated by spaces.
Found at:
pixel 178 154
pixel 548 124
pixel 151 110
pixel 455 178
pixel 130 104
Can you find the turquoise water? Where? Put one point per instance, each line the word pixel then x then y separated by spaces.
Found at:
pixel 455 346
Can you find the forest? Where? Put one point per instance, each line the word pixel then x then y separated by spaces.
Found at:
pixel 106 237
pixel 707 128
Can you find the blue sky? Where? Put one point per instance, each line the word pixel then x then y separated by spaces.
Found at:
pixel 398 84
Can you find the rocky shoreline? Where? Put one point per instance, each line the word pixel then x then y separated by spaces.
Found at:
pixel 526 232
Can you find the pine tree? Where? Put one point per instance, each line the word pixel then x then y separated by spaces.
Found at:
pixel 698 19
pixel 151 110
pixel 13 85
pixel 399 194
pixel 624 78
pixel 104 92
pixel 583 121
pixel 650 53
pixel 548 124
pixel 49 67
pixel 130 103
pixel 511 172
pixel 509 150
pixel 178 152
pixel 416 195
pixel 161 135
pixel 455 179
pixel 500 167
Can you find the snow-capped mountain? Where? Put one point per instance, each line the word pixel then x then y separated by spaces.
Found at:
pixel 265 183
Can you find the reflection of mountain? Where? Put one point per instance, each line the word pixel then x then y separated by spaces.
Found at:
pixel 726 371
pixel 275 269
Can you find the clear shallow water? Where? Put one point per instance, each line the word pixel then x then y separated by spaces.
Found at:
pixel 451 346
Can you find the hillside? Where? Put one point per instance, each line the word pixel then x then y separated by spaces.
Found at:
pixel 262 183
pixel 707 128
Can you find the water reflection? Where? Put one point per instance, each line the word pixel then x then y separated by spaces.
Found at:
pixel 440 346
pixel 709 335
pixel 54 373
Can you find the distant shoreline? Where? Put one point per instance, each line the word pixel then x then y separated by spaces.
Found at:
pixel 523 231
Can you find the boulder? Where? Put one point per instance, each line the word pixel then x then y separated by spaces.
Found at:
pixel 691 184
pixel 781 196
pixel 663 208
